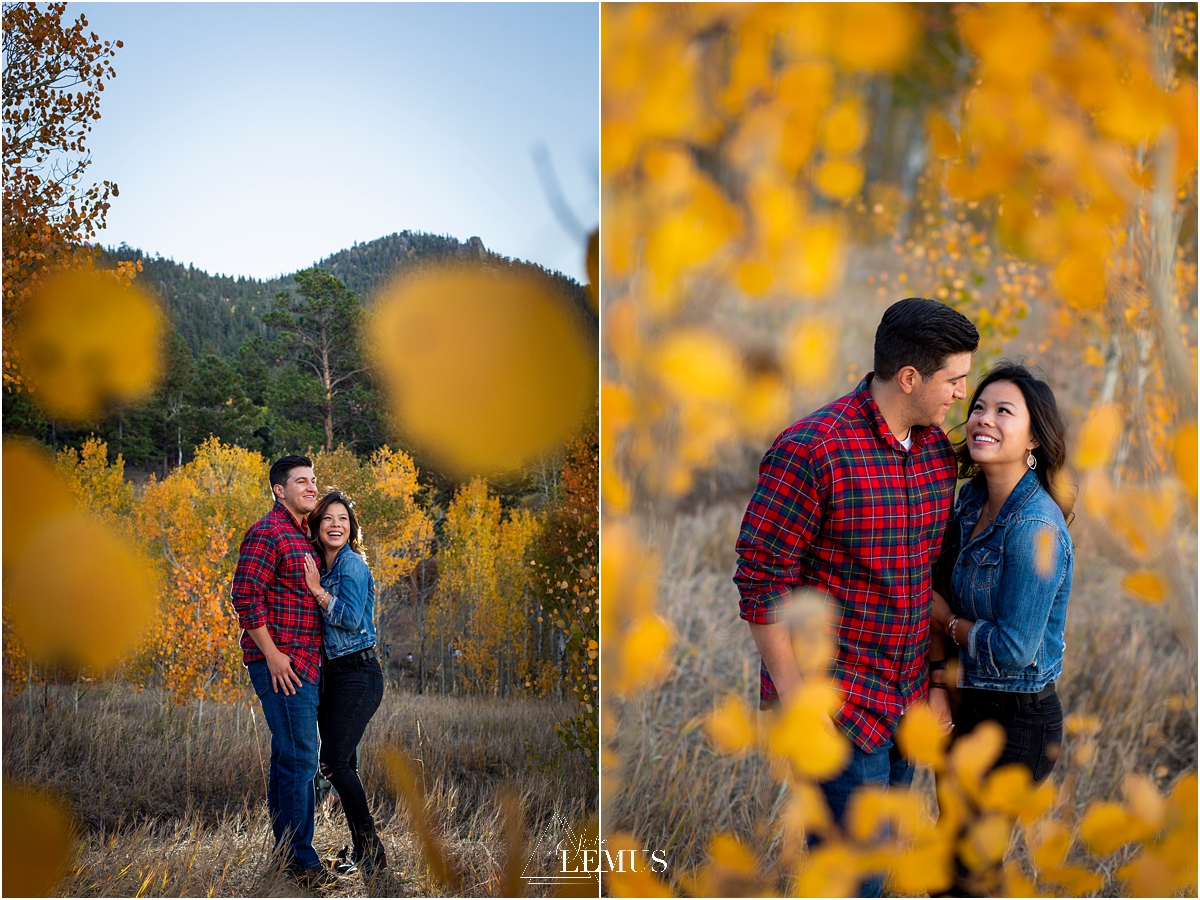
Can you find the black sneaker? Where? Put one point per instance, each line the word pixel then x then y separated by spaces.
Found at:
pixel 316 878
pixel 343 863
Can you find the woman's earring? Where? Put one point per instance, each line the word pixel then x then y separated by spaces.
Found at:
pixel 1031 460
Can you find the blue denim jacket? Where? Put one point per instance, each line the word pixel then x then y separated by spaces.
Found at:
pixel 1014 584
pixel 349 623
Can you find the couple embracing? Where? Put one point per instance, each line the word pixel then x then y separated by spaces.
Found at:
pixel 857 501
pixel 306 599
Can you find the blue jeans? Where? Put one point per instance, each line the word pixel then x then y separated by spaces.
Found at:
pixel 886 766
pixel 291 799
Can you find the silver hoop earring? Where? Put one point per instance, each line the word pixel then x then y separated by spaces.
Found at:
pixel 1031 460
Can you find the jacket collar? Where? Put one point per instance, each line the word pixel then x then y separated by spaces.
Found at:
pixel 870 411
pixel 1024 489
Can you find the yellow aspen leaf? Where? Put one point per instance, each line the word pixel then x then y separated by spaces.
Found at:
pixel 844 131
pixel 758 140
pixel 840 179
pixel 628 879
pixel 645 653
pixel 1184 452
pixel 1146 586
pixel 1084 753
pixel 1012 40
pixel 812 258
pixel 730 727
pixel 1077 880
pixel 926 868
pixel 1106 826
pixel 984 843
pixel 765 404
pixel 1144 800
pixel 726 850
pixel 1079 723
pixel 807 810
pixel 1134 113
pixel 810 351
pixel 1182 802
pixel 88 341
pixel 921 738
pixel 1016 883
pixel 942 136
pixel 699 365
pixel 1098 438
pixel 91 605
pixel 754 278
pixel 806 735
pixel 832 871
pixel 1051 845
pixel 1149 875
pixel 1038 803
pixel 1080 280
pixel 873 36
pixel 974 754
pixel 33 494
pixel 1007 789
pixel 37 842
pixel 1045 552
pixel 873 806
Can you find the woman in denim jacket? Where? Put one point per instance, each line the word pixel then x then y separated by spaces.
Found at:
pixel 351 680
pixel 1013 562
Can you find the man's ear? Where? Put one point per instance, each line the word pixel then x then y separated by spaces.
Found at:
pixel 908 378
pixel 277 491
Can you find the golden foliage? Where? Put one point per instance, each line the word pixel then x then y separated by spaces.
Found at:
pixel 37 842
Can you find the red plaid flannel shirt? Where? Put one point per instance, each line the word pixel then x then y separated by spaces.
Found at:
pixel 269 589
pixel 842 508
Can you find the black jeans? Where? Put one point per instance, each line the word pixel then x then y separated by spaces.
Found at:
pixel 351 690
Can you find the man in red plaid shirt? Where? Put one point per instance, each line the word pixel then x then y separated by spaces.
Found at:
pixel 281 647
pixel 852 501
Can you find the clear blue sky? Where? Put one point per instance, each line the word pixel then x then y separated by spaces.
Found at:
pixel 255 138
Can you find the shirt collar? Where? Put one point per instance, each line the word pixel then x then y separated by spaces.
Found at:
pixel 282 512
pixel 871 413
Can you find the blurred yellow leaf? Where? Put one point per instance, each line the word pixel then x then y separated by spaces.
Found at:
pixel 1007 789
pixel 632 882
pixel 765 404
pixel 1016 884
pixel 1045 553
pixel 516 373
pixel 984 843
pixel 644 654
pixel 37 842
pixel 926 868
pixel 1080 280
pixel 1146 586
pixel 1098 437
pixel 1038 803
pixel 1051 846
pixel 812 258
pixel 88 342
pixel 1182 802
pixel 806 810
pixel 921 738
pixel 1106 826
pixel 873 806
pixel 942 136
pixel 1184 451
pixel 805 734
pixel 873 36
pixel 33 494
pixel 699 365
pixel 974 754
pixel 810 351
pixel 831 871
pixel 844 131
pixel 1148 876
pixel 79 596
pixel 730 727
pixel 1078 723
pixel 1134 113
pixel 728 851
pixel 840 179
pixel 1144 800
pixel 1012 40
pixel 754 278
pixel 1077 880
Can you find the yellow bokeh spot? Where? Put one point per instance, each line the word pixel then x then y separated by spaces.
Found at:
pixel 920 737
pixel 832 871
pixel 87 342
pixel 1106 826
pixel 486 370
pixel 974 754
pixel 1144 800
pixel 1007 789
pixel 79 596
pixel 942 136
pixel 1077 880
pixel 812 258
pixel 645 654
pixel 33 493
pixel 1045 552
pixel 840 179
pixel 1148 876
pixel 873 35
pixel 754 278
pixel 1038 803
pixel 1184 452
pixel 37 842
pixel 1098 438
pixel 810 351
pixel 1080 280
pixel 925 869
pixel 730 727
pixel 844 131
pixel 1079 723
pixel 1146 586
pixel 628 879
pixel 984 843
pixel 805 734
pixel 699 365
pixel 1050 845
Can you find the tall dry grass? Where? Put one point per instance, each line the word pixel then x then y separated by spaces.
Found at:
pixel 1124 663
pixel 171 804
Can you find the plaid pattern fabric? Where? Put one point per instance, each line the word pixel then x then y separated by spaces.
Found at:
pixel 842 508
pixel 269 589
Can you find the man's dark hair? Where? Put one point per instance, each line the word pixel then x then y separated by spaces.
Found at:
pixel 921 333
pixel 285 464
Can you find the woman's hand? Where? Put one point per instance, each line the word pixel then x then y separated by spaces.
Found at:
pixel 939 702
pixel 940 613
pixel 312 576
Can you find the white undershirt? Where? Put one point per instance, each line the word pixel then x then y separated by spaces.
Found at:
pixel 907 442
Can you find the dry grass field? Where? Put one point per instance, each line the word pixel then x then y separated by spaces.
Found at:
pixel 1125 663
pixel 167 805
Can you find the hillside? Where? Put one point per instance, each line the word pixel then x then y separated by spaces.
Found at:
pixel 218 313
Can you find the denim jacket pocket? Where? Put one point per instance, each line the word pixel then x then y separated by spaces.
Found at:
pixel 984 576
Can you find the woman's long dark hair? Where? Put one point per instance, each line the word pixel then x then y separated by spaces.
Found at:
pixel 314 521
pixel 1046 423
